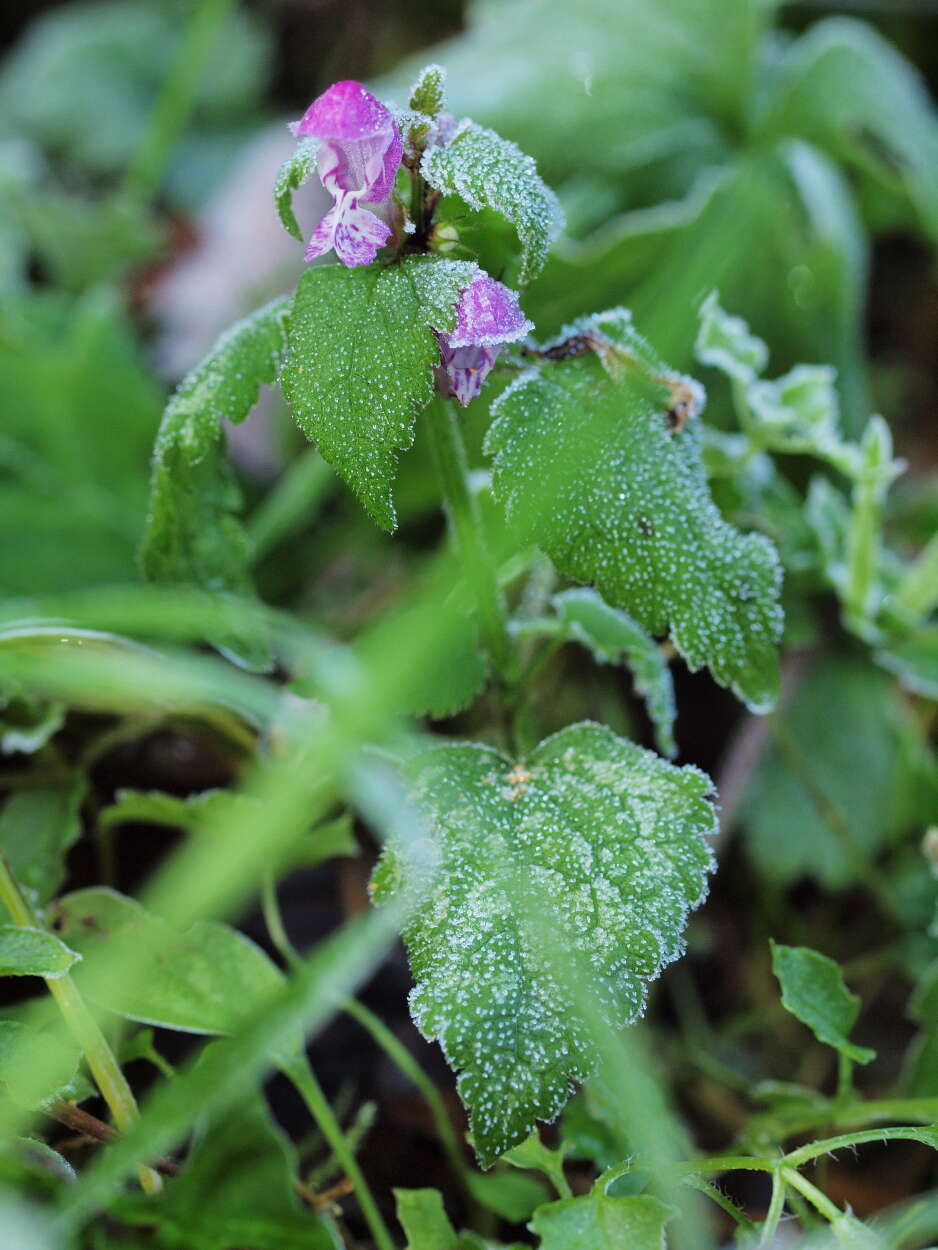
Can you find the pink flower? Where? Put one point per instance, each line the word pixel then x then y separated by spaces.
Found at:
pixel 359 154
pixel 487 317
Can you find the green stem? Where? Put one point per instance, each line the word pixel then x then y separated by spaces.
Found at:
pixel 409 1066
pixel 844 1077
pixel 818 1200
pixel 449 454
pixel 273 919
pixel 294 501
pixel 776 1207
pixel 175 101
pixel 815 1150
pixel 82 1025
pixel 302 1076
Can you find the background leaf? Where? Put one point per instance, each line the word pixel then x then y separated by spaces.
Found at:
pixel 27 952
pixel 613 637
pixel 630 1223
pixel 38 826
pixel 813 990
pixel 208 979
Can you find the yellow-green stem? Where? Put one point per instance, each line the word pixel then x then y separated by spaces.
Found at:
pixel 82 1025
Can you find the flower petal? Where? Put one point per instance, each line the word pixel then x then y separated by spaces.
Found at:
pixel 358 235
pixel 487 312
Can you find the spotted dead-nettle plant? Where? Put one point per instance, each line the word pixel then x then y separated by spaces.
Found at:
pixel 560 873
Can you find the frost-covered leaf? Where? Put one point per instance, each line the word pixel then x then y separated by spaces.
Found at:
pixel 359 368
pixel 914 661
pixel 194 534
pixel 589 467
pixel 602 837
pixel 813 990
pixel 613 636
pixel 208 979
pixel 438 282
pixel 843 731
pixel 801 407
pixel 27 952
pixel 295 170
pixel 628 1223
pixel 37 829
pixel 488 171
pixel 428 93
pixel 34 1066
pixel 725 342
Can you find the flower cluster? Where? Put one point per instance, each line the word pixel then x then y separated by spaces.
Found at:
pixel 360 152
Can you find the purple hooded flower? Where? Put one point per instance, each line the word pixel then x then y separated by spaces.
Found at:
pixel 359 154
pixel 487 317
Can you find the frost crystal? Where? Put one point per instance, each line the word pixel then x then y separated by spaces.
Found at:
pixel 588 856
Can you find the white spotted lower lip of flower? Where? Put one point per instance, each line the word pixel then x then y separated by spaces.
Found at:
pixel 487 317
pixel 359 155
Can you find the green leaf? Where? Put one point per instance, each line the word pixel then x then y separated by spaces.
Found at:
pixel 841 735
pixel 295 170
pixel 588 467
pixel 630 1223
pixel 27 952
pixel 796 202
pixel 428 93
pixel 606 838
pixel 533 1155
pixel 914 661
pixel 813 991
pixel 612 637
pixel 847 89
pixel 438 282
pixel 423 1218
pixel 37 829
pixel 511 1195
pixel 208 979
pixel 194 534
pixel 360 367
pixel 35 1066
pixel 27 723
pixel 488 171
pixel 80 413
pixel 725 342
pixel 236 1190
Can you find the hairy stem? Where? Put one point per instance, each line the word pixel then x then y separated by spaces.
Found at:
pixel 449 453
pixel 82 1025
